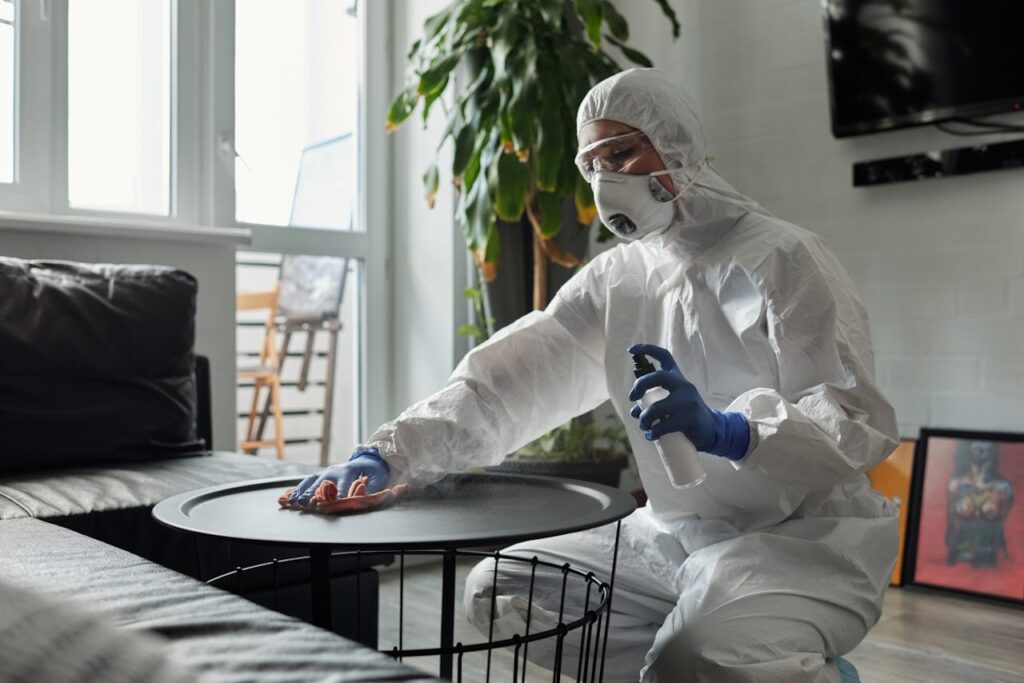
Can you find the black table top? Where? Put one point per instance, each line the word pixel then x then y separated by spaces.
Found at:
pixel 461 510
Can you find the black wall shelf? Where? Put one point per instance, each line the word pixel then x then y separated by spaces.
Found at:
pixel 939 164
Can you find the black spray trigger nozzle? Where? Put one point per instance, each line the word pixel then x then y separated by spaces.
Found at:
pixel 642 365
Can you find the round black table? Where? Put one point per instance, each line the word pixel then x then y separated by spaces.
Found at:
pixel 460 511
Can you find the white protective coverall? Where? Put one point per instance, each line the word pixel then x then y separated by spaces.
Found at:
pixel 778 562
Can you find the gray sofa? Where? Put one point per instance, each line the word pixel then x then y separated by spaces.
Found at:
pixel 217 635
pixel 76 531
pixel 113 503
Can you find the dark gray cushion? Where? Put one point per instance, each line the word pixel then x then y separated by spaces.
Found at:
pixel 96 363
pixel 119 486
pixel 220 635
pixel 113 504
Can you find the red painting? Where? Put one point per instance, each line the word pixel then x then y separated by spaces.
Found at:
pixel 971 522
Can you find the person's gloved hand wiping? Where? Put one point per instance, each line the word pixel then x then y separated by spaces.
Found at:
pixel 726 434
pixel 359 484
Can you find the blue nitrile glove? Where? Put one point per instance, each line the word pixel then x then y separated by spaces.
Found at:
pixel 365 462
pixel 683 410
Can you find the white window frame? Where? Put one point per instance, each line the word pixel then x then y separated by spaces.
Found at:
pixel 33 115
pixel 202 160
pixel 40 187
pixel 370 246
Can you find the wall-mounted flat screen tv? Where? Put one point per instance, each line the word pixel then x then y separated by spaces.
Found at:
pixel 896 63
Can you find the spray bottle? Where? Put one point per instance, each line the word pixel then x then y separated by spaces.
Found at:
pixel 676 451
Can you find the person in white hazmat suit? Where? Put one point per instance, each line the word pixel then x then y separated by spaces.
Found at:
pixel 777 563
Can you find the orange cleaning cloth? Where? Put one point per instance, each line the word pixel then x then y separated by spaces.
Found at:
pixel 325 499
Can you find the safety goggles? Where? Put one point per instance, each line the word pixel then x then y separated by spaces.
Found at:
pixel 616 154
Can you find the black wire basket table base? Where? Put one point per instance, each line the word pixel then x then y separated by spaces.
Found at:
pixel 587 629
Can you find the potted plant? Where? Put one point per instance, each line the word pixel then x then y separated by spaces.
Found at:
pixel 525 66
pixel 582 448
pixel 513 126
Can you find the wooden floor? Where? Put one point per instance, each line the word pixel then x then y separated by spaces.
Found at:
pixel 930 637
pixel 922 637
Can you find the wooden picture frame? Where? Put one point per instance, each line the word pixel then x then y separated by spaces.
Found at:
pixel 966 526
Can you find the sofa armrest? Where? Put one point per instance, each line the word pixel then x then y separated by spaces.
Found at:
pixel 204 403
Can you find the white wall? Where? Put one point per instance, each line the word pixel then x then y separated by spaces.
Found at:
pixel 213 265
pixel 940 263
pixel 427 256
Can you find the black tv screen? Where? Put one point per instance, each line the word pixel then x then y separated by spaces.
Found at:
pixel 895 63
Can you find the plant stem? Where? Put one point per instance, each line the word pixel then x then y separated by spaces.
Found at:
pixel 483 311
pixel 544 250
pixel 540 274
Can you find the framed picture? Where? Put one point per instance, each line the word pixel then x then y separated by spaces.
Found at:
pixel 891 478
pixel 966 529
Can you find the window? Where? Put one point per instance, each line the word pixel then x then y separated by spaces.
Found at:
pixel 296 78
pixel 119 105
pixel 189 113
pixel 296 81
pixel 8 71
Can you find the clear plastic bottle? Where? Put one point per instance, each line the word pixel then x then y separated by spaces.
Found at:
pixel 677 453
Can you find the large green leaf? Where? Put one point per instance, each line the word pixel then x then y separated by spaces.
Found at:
pixel 617 23
pixel 480 81
pixel 414 49
pixel 471 171
pixel 550 156
pixel 431 180
pixel 492 244
pixel 505 39
pixel 505 126
pixel 600 64
pixel 522 117
pixel 454 117
pixel 401 108
pixel 632 54
pixel 550 206
pixel 476 214
pixel 511 184
pixel 551 141
pixel 487 104
pixel 551 13
pixel 573 74
pixel 671 14
pixel 433 25
pixel 590 15
pixel 430 98
pixel 568 174
pixel 436 76
pixel 586 210
pixel 471 13
pixel 489 148
pixel 464 144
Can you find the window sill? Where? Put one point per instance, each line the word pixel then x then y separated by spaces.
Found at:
pixel 120 227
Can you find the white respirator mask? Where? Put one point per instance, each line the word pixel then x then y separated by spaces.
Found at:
pixel 633 206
